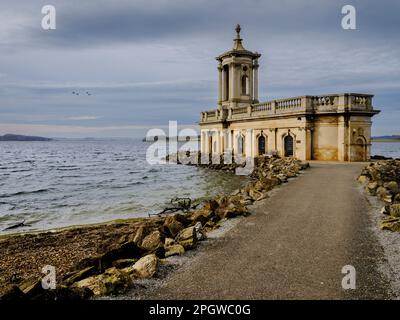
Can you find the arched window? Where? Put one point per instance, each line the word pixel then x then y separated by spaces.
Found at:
pixel 288 142
pixel 241 145
pixel 261 145
pixel 226 82
pixel 245 85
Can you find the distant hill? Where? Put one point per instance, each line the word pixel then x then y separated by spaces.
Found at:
pixel 387 138
pixel 17 137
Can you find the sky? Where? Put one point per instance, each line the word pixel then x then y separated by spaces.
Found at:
pixel 146 62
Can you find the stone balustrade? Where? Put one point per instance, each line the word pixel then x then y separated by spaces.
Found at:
pixel 262 107
pixel 297 105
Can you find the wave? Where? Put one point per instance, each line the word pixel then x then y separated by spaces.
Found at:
pixel 68 168
pixel 22 193
pixel 125 159
pixel 20 170
pixel 65 177
pixel 128 185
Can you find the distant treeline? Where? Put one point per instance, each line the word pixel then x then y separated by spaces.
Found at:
pixel 17 137
pixel 387 138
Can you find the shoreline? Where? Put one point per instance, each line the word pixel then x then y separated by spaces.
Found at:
pixel 130 204
pixel 73 250
pixel 380 185
pixel 108 260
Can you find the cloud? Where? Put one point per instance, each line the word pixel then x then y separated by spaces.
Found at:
pixel 80 118
pixel 150 61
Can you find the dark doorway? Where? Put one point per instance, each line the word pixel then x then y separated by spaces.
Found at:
pixel 360 150
pixel 261 145
pixel 288 146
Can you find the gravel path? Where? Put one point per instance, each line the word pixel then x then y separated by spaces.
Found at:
pixel 293 246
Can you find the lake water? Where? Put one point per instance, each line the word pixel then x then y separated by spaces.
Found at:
pixel 61 183
pixel 387 149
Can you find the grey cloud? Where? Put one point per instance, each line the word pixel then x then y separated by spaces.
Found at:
pixel 150 61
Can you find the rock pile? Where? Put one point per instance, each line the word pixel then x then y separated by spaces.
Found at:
pixel 138 255
pixel 382 179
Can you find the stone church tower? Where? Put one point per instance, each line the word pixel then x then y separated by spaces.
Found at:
pixel 324 127
pixel 238 76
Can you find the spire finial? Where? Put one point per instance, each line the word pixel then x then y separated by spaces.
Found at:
pixel 237 42
pixel 238 31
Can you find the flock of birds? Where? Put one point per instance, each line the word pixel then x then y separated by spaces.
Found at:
pixel 77 93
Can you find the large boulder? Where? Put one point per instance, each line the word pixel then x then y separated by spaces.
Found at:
pixel 144 268
pixel 173 225
pixel 205 213
pixel 114 252
pixel 113 281
pixel 187 238
pixel 257 195
pixel 169 242
pixel 152 241
pixel 174 250
pixel 392 224
pixel 200 233
pixel 92 283
pixel 392 187
pixel 363 179
pixel 394 210
pixel 384 194
pixel 372 187
pixel 76 276
pixel 140 234
pixel 233 209
pixel 129 250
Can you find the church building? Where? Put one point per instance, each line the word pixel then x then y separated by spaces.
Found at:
pixel 323 127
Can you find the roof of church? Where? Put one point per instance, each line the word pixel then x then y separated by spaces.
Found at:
pixel 238 49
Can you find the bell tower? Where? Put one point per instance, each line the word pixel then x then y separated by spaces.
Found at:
pixel 238 76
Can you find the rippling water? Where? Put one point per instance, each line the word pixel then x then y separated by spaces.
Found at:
pixel 387 149
pixel 61 183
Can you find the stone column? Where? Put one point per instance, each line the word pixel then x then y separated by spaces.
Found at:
pixel 220 86
pixel 235 141
pixel 254 144
pixel 233 81
pixel 341 138
pixel 251 84
pixel 202 141
pixel 207 145
pixel 217 136
pixel 255 71
pixel 230 140
pixel 249 143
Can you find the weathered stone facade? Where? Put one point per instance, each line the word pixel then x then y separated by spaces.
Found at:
pixel 326 127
